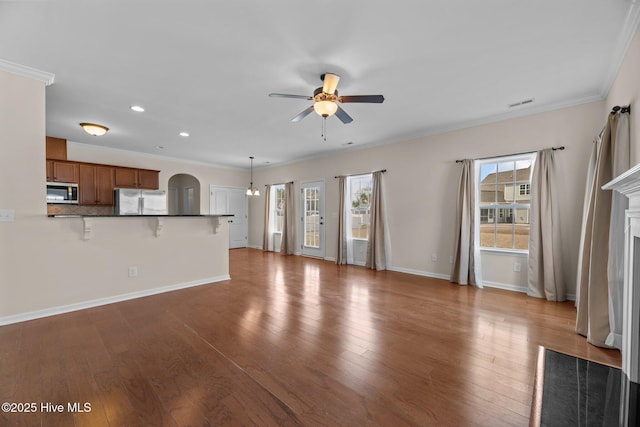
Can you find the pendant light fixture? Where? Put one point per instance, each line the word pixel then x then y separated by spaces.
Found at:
pixel 251 191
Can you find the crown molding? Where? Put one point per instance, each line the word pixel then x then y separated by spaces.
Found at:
pixel 627 32
pixel 24 71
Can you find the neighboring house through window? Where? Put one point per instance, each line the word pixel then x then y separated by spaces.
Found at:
pixel 504 202
pixel 278 207
pixel 359 190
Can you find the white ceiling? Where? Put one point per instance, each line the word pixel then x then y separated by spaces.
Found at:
pixel 206 67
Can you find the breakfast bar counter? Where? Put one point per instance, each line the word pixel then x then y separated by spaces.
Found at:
pixel 158 221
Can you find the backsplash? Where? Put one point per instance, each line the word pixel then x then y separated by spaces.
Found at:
pixel 53 209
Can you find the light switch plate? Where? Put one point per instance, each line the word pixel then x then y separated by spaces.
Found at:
pixel 7 215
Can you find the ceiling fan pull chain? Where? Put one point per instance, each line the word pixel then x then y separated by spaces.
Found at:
pixel 324 128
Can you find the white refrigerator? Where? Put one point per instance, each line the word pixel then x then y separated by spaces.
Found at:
pixel 140 202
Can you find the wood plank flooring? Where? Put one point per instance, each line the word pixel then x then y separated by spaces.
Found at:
pixel 291 341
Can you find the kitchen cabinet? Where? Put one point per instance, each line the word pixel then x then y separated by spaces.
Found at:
pixel 56 148
pixel 96 184
pixel 136 178
pixel 59 171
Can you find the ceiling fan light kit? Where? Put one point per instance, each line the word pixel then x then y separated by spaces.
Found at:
pixel 325 108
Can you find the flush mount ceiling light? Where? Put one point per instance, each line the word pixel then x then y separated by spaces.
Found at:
pixel 251 191
pixel 185 134
pixel 137 108
pixel 94 129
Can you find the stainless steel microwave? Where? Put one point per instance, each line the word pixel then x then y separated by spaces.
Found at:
pixel 58 192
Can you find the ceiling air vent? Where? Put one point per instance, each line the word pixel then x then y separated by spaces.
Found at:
pixel 526 101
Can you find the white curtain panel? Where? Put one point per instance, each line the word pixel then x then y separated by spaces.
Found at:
pixel 342 252
pixel 288 241
pixel 267 238
pixel 599 300
pixel 466 259
pixel 621 155
pixel 376 246
pixel 545 252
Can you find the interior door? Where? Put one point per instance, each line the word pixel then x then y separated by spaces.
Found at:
pixel 312 210
pixel 233 201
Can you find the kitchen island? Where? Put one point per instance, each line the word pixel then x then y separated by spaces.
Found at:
pixel 90 260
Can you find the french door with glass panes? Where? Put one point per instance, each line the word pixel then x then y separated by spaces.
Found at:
pixel 312 218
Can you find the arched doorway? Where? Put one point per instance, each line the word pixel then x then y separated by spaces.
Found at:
pixel 183 195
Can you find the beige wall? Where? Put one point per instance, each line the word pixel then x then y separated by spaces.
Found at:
pixel 47 267
pixel 626 90
pixel 421 186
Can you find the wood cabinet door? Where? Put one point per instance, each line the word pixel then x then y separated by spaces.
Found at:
pixel 126 177
pixel 65 172
pixel 49 170
pixel 87 185
pixel 56 148
pixel 148 179
pixel 104 184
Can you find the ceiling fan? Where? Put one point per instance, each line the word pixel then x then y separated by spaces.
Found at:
pixel 326 98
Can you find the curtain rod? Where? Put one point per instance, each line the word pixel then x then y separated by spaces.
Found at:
pixel 365 173
pixel 513 154
pixel 280 183
pixel 623 109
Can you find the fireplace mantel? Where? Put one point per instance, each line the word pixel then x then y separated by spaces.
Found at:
pixel 628 184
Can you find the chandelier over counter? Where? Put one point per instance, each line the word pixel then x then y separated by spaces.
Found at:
pixel 251 191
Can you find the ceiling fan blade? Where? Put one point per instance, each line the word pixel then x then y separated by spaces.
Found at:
pixel 343 116
pixel 285 95
pixel 330 83
pixel 302 115
pixel 377 99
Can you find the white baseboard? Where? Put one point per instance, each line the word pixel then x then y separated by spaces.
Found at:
pixel 421 273
pixel 505 286
pixel 23 317
pixel 523 289
pixel 330 258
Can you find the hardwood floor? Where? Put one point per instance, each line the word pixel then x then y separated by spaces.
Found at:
pixel 291 341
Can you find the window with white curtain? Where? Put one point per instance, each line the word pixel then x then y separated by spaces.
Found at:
pixel 278 207
pixel 359 190
pixel 504 195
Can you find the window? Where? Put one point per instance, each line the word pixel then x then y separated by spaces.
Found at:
pixel 278 207
pixel 504 202
pixel 359 190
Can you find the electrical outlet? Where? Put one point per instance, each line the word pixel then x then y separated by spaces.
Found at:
pixel 434 257
pixel 517 267
pixel 133 271
pixel 7 215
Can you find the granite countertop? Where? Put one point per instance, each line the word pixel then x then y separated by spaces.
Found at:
pixel 137 216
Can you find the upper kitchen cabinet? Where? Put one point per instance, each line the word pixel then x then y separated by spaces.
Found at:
pixel 56 148
pixel 137 178
pixel 59 171
pixel 96 184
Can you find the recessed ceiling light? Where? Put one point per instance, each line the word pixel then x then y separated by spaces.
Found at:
pixel 348 143
pixel 184 133
pixel 159 147
pixel 137 108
